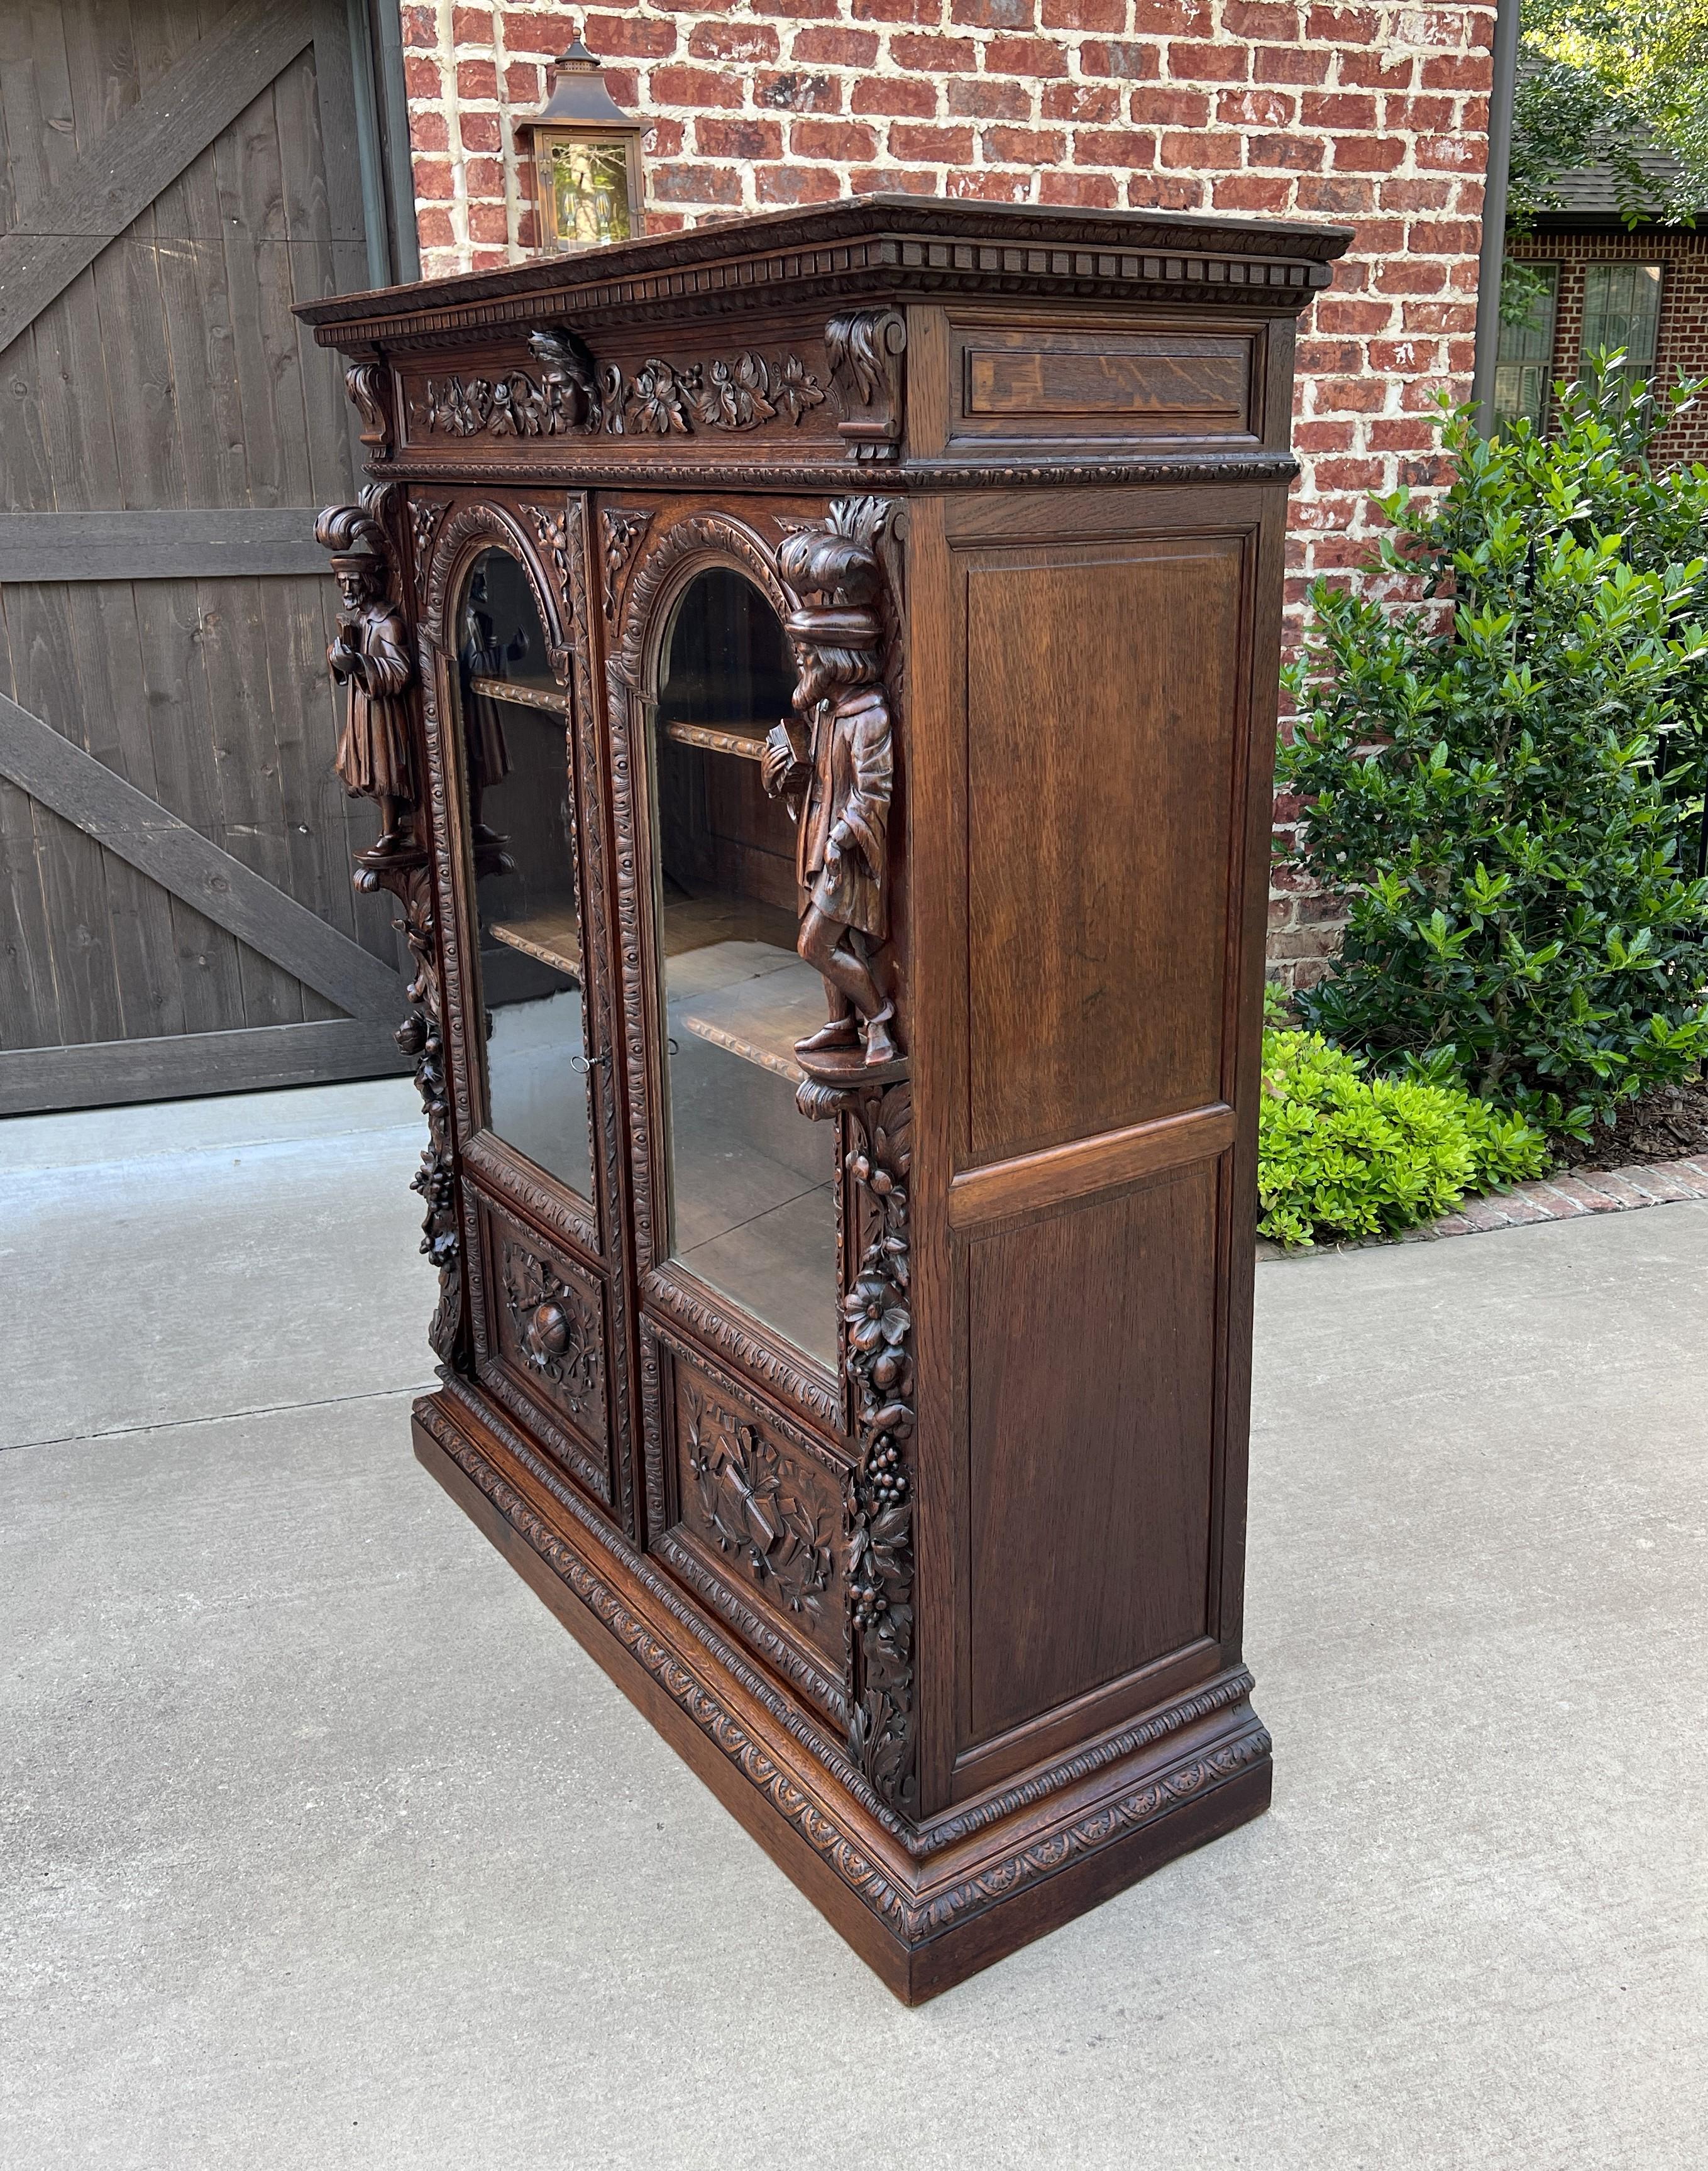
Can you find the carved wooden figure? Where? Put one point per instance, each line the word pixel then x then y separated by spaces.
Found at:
pixel 872 610
pixel 370 657
pixel 839 787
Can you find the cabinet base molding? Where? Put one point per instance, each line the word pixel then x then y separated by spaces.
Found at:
pixel 924 1906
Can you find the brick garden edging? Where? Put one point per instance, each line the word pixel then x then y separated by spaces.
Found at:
pixel 1550 1199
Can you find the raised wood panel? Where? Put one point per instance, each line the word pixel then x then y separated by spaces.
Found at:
pixel 762 1510
pixel 547 1333
pixel 1029 384
pixel 1031 1180
pixel 1091 1338
pixel 1103 710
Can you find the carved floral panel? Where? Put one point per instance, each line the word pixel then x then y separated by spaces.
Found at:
pixel 551 1331
pixel 564 392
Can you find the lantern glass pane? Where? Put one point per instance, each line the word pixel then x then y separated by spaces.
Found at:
pixel 588 188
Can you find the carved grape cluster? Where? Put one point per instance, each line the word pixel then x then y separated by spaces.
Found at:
pixel 879 1323
pixel 886 1474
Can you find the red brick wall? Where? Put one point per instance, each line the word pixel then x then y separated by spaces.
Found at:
pixel 1372 112
pixel 1682 340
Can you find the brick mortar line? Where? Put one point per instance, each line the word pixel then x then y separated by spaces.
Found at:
pixel 1564 1198
pixel 1370 111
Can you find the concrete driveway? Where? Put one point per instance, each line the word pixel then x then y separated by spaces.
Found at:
pixel 321 1845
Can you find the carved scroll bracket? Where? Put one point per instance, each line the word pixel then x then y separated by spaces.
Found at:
pixel 365 384
pixel 865 352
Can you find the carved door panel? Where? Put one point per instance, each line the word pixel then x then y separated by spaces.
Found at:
pixel 735 1190
pixel 175 908
pixel 515 740
pixel 767 1080
pixel 735 1193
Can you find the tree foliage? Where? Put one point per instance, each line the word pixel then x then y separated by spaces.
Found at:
pixel 1506 783
pixel 1607 77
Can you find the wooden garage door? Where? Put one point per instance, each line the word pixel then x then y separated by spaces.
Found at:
pixel 176 915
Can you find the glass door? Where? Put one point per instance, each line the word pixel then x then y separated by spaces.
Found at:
pixel 519 779
pixel 752 1184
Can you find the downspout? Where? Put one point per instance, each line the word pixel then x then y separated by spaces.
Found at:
pixel 394 105
pixel 375 224
pixel 1493 257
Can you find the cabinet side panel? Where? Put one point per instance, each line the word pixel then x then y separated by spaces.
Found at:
pixel 1102 714
pixel 1090 1363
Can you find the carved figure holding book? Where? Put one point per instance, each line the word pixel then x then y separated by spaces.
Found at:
pixel 369 655
pixel 837 774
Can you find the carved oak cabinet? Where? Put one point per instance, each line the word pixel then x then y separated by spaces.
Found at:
pixel 818 673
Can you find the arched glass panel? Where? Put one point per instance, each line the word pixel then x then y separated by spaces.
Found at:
pixel 752 1184
pixel 517 765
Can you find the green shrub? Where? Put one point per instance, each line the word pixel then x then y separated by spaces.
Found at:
pixel 1507 787
pixel 1344 1154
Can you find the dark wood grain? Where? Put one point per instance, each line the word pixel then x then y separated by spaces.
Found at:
pixel 1091 1333
pixel 1101 711
pixel 1099 384
pixel 955 1630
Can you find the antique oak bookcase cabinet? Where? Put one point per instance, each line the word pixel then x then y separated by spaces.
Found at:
pixel 817 676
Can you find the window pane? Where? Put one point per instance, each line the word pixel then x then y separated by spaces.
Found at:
pixel 1622 308
pixel 752 1187
pixel 590 191
pixel 1525 353
pixel 516 760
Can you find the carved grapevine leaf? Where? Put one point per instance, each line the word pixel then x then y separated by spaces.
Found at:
pixel 573 393
pixel 735 395
pixel 623 532
pixel 655 400
pixel 797 390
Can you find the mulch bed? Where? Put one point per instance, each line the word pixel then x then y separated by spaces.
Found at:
pixel 1669 1124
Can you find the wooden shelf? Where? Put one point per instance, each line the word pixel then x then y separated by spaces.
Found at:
pixel 695 923
pixel 760 1019
pixel 746 741
pixel 552 699
pixel 550 933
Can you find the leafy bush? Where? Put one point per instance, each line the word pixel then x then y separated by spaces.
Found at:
pixel 1348 1154
pixel 1506 788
